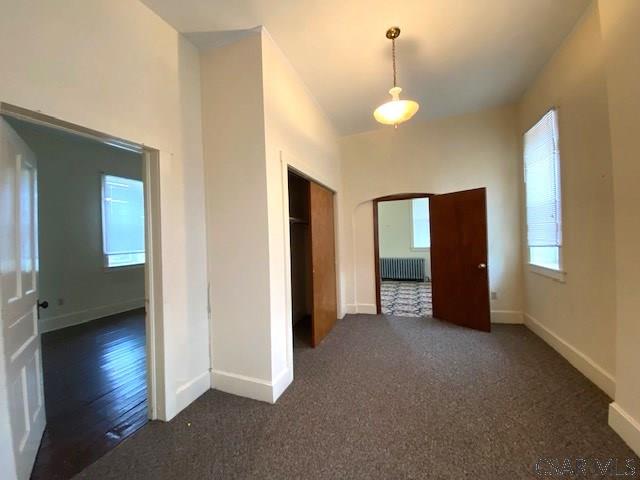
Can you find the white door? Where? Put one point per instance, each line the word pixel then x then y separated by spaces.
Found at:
pixel 22 420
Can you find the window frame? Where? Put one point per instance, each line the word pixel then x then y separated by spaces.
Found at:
pixel 413 245
pixel 105 256
pixel 558 274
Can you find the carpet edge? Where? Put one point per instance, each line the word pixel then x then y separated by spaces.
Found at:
pixel 582 362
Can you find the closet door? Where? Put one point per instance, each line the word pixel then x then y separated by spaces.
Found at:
pixel 323 262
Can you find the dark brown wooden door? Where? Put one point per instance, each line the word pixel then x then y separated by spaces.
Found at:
pixel 459 269
pixel 323 262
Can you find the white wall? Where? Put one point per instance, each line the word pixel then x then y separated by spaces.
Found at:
pixel 236 184
pixel 257 114
pixel 71 260
pixel 395 228
pixel 621 32
pixel 298 134
pixel 458 153
pixel 114 66
pixel 578 316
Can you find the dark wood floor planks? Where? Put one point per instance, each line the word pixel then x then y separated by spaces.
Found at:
pixel 95 392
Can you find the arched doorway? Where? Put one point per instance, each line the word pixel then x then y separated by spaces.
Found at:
pixel 455 239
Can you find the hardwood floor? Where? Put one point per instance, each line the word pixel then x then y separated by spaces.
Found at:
pixel 95 391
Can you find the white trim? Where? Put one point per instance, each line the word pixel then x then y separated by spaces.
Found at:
pixel 557 275
pixel 368 308
pixel 281 382
pixel 284 177
pixel 83 316
pixel 308 171
pixel 136 266
pixel 625 425
pixel 154 319
pixel 191 390
pixel 251 387
pixel 509 317
pixel 589 368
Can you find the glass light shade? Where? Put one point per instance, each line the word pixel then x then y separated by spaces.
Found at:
pixel 396 111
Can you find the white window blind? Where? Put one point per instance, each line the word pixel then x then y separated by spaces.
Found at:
pixel 122 221
pixel 420 219
pixel 542 186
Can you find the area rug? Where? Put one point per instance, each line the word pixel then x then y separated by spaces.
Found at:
pixel 406 299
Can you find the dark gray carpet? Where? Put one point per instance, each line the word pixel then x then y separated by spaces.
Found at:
pixel 388 398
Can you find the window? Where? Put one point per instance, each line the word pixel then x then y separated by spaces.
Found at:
pixel 122 221
pixel 421 238
pixel 542 187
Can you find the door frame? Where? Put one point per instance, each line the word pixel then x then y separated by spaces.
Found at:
pixel 154 326
pixel 308 172
pixel 376 239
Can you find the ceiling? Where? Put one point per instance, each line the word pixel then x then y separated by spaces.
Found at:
pixel 453 56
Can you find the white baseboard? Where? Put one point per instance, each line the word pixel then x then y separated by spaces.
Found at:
pixel 368 308
pixel 625 425
pixel 191 390
pixel 251 387
pixel 511 317
pixel 590 369
pixel 281 383
pixel 84 316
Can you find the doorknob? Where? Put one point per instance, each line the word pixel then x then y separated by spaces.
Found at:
pixel 482 266
pixel 44 304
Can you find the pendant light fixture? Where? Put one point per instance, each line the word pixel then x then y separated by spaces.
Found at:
pixel 396 111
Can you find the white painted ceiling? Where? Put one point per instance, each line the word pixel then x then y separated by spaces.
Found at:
pixel 454 56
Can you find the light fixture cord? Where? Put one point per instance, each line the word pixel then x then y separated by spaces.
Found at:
pixel 393 55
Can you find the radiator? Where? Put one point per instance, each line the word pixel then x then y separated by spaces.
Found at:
pixel 402 269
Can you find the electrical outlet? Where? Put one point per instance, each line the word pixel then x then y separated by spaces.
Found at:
pixel 494 295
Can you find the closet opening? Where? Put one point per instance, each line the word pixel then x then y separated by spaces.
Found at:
pixel 312 256
pixel 300 241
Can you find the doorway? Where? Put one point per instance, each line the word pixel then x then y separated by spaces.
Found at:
pixel 431 251
pixel 314 308
pixel 405 257
pixel 78 308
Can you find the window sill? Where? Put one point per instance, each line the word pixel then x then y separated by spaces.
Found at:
pixel 557 275
pixel 124 267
